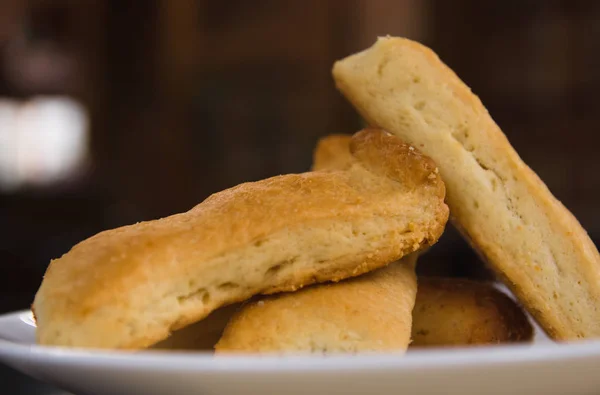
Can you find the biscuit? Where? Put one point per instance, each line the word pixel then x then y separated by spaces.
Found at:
pixel 535 245
pixel 369 313
pixel 333 153
pixel 373 313
pixel 130 287
pixel 458 312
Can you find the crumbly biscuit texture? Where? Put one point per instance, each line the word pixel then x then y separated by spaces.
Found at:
pixel 128 288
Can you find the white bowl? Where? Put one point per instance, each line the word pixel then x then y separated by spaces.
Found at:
pixel 539 368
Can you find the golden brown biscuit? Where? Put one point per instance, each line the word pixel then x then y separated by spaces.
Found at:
pixel 507 213
pixel 364 314
pixel 376 309
pixel 456 312
pixel 130 287
pixel 333 153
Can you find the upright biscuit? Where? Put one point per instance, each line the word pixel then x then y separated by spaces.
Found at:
pixel 532 241
pixel 368 313
pixel 130 287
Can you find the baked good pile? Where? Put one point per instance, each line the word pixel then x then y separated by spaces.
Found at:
pixel 324 261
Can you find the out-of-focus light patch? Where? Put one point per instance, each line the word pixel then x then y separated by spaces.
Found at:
pixel 8 145
pixel 42 141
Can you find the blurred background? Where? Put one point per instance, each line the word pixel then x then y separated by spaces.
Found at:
pixel 118 111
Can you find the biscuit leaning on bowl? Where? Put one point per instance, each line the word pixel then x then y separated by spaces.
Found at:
pixel 501 206
pixel 130 287
pixel 459 312
pixel 369 313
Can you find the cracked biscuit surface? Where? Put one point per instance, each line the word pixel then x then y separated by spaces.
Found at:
pixel 129 287
pixel 501 206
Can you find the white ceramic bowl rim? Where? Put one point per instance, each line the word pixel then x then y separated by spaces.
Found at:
pixel 194 361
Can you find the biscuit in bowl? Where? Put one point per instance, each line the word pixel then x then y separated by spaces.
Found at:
pixel 461 312
pixel 130 287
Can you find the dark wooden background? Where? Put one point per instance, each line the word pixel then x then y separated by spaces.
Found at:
pixel 188 97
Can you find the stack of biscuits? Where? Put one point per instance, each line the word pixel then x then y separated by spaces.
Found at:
pixel 324 261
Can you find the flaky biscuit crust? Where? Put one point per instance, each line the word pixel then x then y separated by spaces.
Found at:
pixel 130 287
